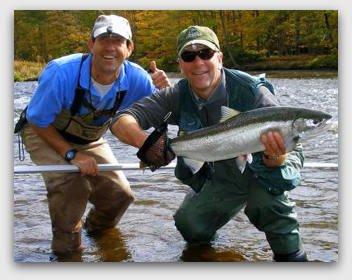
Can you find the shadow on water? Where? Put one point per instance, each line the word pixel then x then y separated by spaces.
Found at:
pixel 107 246
pixel 207 253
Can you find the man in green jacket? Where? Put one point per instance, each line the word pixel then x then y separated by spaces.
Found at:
pixel 220 190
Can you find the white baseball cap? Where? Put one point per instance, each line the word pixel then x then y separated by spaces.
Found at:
pixel 112 24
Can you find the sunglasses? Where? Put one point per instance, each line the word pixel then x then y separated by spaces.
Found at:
pixel 205 54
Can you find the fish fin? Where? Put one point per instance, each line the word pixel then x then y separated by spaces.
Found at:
pixel 241 161
pixel 227 113
pixel 194 165
pixel 249 158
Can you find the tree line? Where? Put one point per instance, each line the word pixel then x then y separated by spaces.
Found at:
pixel 245 35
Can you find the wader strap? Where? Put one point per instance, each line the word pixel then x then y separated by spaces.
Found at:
pixel 79 92
pixel 18 127
pixel 79 99
pixel 118 101
pixel 21 155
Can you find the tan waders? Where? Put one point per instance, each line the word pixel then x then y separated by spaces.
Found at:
pixel 69 193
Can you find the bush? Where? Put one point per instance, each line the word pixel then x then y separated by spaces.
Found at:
pixel 324 61
pixel 26 70
pixel 242 56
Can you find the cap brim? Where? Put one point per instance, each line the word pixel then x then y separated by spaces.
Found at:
pixel 202 42
pixel 101 31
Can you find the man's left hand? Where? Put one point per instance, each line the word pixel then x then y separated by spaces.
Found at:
pixel 160 80
pixel 275 151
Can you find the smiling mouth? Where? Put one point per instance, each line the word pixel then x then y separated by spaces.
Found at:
pixel 109 57
pixel 199 74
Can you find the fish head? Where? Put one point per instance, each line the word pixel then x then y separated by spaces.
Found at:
pixel 310 122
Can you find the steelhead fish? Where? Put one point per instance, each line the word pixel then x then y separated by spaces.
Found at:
pixel 238 134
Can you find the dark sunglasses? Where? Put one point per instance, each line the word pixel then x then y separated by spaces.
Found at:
pixel 205 54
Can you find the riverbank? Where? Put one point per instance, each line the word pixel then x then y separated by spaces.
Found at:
pixel 294 62
pixel 29 71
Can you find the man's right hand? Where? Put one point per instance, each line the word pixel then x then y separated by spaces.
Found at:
pixel 86 164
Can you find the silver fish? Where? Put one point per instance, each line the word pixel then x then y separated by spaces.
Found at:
pixel 238 134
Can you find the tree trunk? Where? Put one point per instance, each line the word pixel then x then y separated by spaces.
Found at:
pixel 297 32
pixel 328 28
pixel 226 44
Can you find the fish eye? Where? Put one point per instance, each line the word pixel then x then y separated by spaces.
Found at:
pixel 313 123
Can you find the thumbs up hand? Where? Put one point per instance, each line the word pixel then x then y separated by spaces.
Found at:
pixel 160 80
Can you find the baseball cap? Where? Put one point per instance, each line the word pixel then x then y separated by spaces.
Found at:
pixel 111 24
pixel 197 35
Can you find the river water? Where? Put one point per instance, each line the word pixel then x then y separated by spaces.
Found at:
pixel 147 233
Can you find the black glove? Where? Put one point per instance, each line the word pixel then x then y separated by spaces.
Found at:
pixel 156 151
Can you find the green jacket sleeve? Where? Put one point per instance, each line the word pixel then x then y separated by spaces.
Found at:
pixel 282 178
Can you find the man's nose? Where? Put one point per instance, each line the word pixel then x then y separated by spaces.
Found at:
pixel 109 43
pixel 198 60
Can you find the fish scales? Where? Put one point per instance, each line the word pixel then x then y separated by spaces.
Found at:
pixel 229 143
pixel 240 134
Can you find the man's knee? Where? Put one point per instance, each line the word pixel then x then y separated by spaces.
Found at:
pixel 122 195
pixel 193 231
pixel 108 209
pixel 277 219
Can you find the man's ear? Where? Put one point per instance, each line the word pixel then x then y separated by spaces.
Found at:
pixel 130 48
pixel 220 56
pixel 180 67
pixel 90 44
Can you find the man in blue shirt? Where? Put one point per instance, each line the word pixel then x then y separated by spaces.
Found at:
pixel 72 108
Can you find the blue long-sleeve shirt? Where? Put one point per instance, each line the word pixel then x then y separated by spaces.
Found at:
pixel 59 79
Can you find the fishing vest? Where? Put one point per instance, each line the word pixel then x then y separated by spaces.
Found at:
pixel 78 129
pixel 241 90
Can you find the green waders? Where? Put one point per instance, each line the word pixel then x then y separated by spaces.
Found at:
pixel 224 194
pixel 222 191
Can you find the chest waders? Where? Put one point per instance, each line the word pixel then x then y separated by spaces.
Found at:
pixel 78 129
pixel 221 191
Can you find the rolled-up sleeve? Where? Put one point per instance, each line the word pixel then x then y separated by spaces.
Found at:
pixel 282 178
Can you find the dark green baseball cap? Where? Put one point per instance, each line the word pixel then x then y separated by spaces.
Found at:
pixel 197 35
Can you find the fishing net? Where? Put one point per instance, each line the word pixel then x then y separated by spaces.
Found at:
pixel 155 151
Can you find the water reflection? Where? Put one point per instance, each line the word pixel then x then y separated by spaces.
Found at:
pixel 207 253
pixel 108 246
